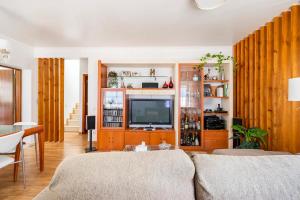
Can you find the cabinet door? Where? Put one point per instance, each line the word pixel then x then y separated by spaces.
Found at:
pixel 104 141
pixel 158 138
pixel 215 139
pixel 136 138
pixel 117 140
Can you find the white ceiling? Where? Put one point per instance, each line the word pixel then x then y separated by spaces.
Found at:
pixel 133 22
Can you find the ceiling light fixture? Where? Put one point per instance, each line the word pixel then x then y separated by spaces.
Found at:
pixel 209 4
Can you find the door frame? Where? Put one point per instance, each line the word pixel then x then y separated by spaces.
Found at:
pixel 84 102
pixel 17 92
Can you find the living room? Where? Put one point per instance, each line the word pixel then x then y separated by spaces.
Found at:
pixel 169 96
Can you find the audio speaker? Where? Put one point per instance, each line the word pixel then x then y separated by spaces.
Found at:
pixel 149 85
pixel 90 122
pixel 90 126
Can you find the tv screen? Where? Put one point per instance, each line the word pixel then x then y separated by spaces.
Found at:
pixel 157 112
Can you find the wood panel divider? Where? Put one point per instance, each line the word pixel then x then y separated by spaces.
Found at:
pixel 51 97
pixel 266 59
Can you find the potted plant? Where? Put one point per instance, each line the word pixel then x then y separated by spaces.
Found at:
pixel 112 79
pixel 251 138
pixel 220 59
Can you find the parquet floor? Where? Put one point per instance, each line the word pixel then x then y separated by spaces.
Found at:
pixel 54 153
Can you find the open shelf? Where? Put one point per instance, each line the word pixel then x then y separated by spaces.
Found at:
pixel 214 97
pixel 216 81
pixel 215 113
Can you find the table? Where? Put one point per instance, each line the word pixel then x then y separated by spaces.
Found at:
pixel 28 130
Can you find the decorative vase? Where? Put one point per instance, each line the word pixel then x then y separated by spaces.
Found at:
pixel 165 85
pixel 171 85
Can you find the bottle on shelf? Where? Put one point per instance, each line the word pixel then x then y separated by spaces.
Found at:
pixel 171 85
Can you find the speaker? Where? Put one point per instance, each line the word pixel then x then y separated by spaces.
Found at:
pixel 149 85
pixel 90 125
pixel 236 121
pixel 90 122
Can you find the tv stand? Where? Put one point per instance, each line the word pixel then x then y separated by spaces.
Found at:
pixel 149 129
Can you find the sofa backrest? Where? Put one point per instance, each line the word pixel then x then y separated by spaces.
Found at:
pixel 222 177
pixel 124 175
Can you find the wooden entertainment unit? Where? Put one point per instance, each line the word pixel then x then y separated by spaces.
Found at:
pixel 113 132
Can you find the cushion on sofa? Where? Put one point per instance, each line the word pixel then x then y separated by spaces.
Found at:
pixel 248 152
pixel 123 175
pixel 222 177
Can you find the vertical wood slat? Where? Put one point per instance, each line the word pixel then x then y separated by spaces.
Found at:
pixel 238 82
pixel 268 84
pixel 251 80
pixel 285 67
pixel 242 80
pixel 262 104
pixel 51 100
pixel 61 99
pixel 246 82
pixel 56 100
pixel 295 68
pixel 46 99
pixel 276 85
pixel 257 79
pixel 40 91
pixel 273 57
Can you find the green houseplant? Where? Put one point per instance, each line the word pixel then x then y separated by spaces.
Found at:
pixel 251 138
pixel 220 59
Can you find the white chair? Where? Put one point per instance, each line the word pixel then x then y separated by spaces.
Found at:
pixel 35 136
pixel 9 143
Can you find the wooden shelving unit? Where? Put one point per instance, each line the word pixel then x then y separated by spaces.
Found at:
pixel 209 139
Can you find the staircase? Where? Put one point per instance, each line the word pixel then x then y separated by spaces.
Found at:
pixel 73 122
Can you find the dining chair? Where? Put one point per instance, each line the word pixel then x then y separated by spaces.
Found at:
pixel 35 137
pixel 9 143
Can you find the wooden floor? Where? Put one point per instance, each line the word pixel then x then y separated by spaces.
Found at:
pixel 36 181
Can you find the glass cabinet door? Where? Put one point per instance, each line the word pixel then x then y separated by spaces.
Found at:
pixel 190 106
pixel 113 104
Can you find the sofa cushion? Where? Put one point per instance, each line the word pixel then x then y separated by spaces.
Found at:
pixel 123 175
pixel 222 177
pixel 248 152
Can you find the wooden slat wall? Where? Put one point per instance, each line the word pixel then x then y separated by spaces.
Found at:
pixel 266 60
pixel 51 97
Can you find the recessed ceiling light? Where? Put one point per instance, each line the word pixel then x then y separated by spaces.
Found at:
pixel 209 4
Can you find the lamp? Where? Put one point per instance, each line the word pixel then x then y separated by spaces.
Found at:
pixel 294 89
pixel 209 4
pixel 4 53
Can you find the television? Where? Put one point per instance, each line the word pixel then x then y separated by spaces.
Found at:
pixel 157 113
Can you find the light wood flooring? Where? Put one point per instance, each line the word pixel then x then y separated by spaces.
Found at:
pixel 54 153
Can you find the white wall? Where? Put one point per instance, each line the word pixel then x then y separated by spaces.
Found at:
pixel 72 84
pixel 21 57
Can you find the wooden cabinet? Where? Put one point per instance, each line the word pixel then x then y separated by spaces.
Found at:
pixel 136 137
pixel 158 137
pixel 215 139
pixel 110 140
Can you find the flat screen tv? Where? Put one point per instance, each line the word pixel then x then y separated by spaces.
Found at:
pixel 156 113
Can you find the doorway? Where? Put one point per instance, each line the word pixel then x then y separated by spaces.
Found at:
pixel 84 102
pixel 10 95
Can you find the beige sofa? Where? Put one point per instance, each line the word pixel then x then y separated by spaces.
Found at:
pixel 168 175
